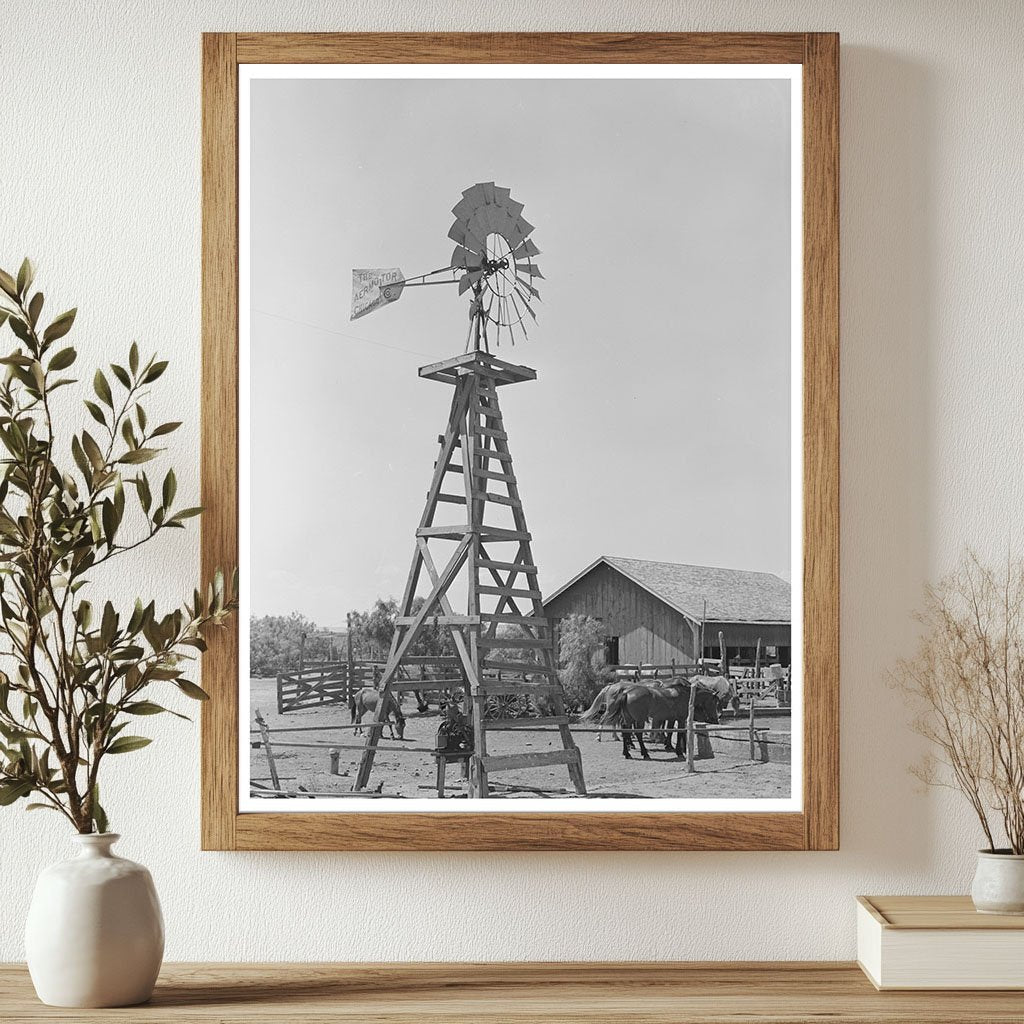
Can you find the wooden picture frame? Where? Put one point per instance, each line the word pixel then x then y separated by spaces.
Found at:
pixel 816 827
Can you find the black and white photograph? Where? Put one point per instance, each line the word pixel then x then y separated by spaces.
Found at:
pixel 520 438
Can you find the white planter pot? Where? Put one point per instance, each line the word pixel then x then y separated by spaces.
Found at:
pixel 95 934
pixel 999 883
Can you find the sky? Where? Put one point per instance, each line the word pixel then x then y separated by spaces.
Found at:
pixel 659 423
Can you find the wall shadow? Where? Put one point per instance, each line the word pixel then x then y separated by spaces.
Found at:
pixel 887 282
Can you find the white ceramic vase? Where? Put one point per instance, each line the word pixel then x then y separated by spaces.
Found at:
pixel 95 934
pixel 999 883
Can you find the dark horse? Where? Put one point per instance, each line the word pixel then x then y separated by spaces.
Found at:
pixel 665 706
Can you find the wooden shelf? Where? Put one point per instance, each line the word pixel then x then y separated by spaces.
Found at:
pixel 524 993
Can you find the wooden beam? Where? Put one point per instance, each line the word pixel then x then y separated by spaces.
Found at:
pixel 510 762
pixel 528 668
pixel 493 533
pixel 521 620
pixel 440 620
pixel 444 532
pixel 510 591
pixel 490 563
pixel 490 687
pixel 509 642
pixel 511 724
pixel 490 474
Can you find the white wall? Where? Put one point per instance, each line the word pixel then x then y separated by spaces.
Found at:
pixel 99 181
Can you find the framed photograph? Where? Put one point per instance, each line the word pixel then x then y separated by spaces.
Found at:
pixel 520 420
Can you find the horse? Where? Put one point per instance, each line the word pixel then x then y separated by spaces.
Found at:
pixel 706 709
pixel 601 702
pixel 365 700
pixel 634 705
pixel 722 687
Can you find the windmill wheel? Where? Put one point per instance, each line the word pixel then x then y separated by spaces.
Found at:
pixel 495 256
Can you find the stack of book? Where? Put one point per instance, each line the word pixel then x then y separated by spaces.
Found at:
pixel 938 942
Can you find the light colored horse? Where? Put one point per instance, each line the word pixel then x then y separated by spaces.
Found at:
pixel 723 688
pixel 600 705
pixel 366 699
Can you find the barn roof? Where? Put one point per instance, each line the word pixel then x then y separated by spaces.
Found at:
pixel 733 595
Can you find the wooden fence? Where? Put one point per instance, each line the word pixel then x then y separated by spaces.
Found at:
pixel 327 683
pixel 758 688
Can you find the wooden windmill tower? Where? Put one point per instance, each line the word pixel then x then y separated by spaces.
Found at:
pixel 473 485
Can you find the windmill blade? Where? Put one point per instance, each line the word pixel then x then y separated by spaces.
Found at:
pixel 375 287
pixel 503 223
pixel 464 208
pixel 496 219
pixel 479 223
pixel 525 250
pixel 475 194
pixel 530 268
pixel 526 305
pixel 529 287
pixel 460 232
pixel 488 189
pixel 465 258
pixel 469 279
pixel 522 229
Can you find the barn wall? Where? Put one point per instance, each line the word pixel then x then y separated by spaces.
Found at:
pixel 648 629
pixel 745 634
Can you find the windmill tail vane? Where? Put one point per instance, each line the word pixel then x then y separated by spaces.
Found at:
pixel 492 259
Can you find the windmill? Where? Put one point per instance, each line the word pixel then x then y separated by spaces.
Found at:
pixel 493 258
pixel 473 474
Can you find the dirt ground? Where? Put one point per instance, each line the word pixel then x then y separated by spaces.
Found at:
pixel 412 774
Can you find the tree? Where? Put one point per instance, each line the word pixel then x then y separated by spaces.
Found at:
pixel 434 641
pixel 512 631
pixel 581 639
pixel 275 644
pixel 372 632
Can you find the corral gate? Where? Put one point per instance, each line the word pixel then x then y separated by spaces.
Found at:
pixel 327 683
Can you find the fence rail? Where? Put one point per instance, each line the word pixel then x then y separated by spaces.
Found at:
pixel 757 687
pixel 323 684
pixel 328 683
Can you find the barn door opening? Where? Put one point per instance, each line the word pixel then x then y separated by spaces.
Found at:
pixel 611 650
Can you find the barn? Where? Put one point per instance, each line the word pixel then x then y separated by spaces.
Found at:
pixel 653 611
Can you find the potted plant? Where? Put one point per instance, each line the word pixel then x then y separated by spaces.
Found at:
pixel 82 673
pixel 966 681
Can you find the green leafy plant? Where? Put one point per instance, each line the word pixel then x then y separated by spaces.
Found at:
pixel 80 672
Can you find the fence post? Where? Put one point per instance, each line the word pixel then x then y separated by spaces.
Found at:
pixel 333 755
pixel 754 693
pixel 265 736
pixel 703 619
pixel 349 680
pixel 690 738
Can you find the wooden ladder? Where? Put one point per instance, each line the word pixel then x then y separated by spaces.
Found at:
pixel 474 470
